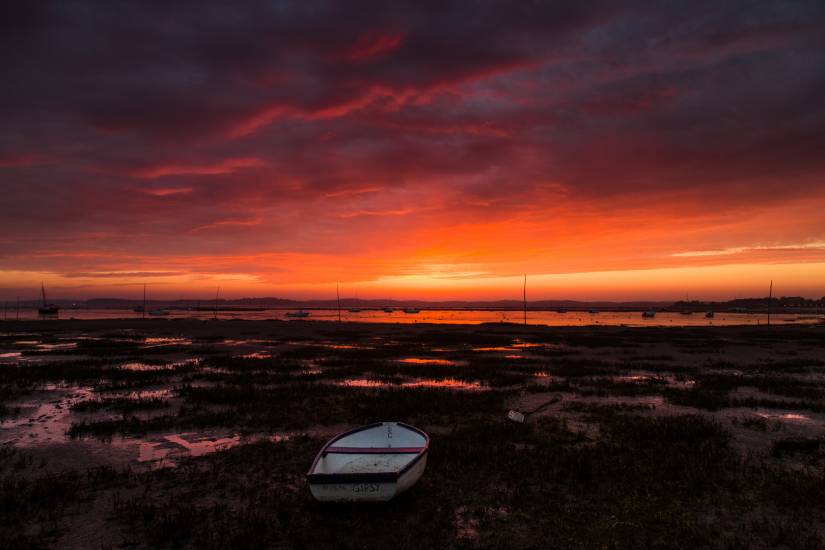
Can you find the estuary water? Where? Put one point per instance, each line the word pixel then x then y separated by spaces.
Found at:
pixel 445 316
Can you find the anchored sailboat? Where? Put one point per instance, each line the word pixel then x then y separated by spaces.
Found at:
pixel 142 308
pixel 46 309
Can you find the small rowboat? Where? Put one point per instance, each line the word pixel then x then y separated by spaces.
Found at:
pixel 370 464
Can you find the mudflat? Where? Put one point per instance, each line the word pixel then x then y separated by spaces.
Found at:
pixel 192 433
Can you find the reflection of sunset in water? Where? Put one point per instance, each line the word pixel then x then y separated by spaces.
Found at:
pixel 426 361
pixel 444 383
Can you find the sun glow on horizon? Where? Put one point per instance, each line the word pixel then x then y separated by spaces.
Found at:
pixel 718 282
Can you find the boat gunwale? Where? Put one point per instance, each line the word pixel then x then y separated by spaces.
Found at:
pixel 322 479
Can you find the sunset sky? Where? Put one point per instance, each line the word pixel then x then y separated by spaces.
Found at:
pixel 433 150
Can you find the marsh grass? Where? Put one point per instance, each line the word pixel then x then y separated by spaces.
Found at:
pixel 296 407
pixel 645 481
pixel 32 505
pixel 123 405
pixel 604 409
pixel 759 424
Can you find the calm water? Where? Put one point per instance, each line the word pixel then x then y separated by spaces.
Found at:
pixel 573 318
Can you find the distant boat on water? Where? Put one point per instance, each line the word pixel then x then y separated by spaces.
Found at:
pixel 593 311
pixel 710 315
pixel 45 308
pixel 411 310
pixel 297 314
pixel 158 312
pixel 650 314
pixel 141 308
pixel 388 310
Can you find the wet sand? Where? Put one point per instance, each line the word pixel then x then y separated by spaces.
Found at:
pixel 148 428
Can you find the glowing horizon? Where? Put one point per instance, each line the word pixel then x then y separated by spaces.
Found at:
pixel 282 151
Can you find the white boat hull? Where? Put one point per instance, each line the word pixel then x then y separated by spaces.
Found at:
pixel 368 491
pixel 374 463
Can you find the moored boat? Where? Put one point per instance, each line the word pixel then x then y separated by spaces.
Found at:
pixel 297 314
pixel 44 308
pixel 411 310
pixel 371 464
pixel 388 310
pixel 710 315
pixel 650 314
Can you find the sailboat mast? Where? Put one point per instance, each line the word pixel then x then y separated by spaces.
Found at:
pixel 43 292
pixel 144 300
pixel 770 299
pixel 338 297
pixel 216 302
pixel 525 298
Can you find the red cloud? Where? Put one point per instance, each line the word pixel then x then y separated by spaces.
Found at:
pixel 16 161
pixel 166 191
pixel 372 44
pixel 223 167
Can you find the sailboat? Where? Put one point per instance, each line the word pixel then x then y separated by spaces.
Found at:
pixel 355 309
pixel 46 309
pixel 411 310
pixel 687 305
pixel 142 308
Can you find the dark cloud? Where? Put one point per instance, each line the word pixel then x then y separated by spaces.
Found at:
pixel 123 120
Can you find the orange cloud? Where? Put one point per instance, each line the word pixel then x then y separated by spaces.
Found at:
pixel 226 166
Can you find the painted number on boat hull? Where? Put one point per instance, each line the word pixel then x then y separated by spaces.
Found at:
pixel 366 488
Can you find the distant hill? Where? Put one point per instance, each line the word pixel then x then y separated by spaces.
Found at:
pixel 785 303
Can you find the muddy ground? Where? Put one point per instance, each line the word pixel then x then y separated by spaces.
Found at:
pixel 158 433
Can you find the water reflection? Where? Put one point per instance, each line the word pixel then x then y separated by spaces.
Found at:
pixel 256 355
pixel 787 416
pixel 445 383
pixel 166 340
pixel 427 361
pixel 166 450
pixel 627 318
pixel 141 366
